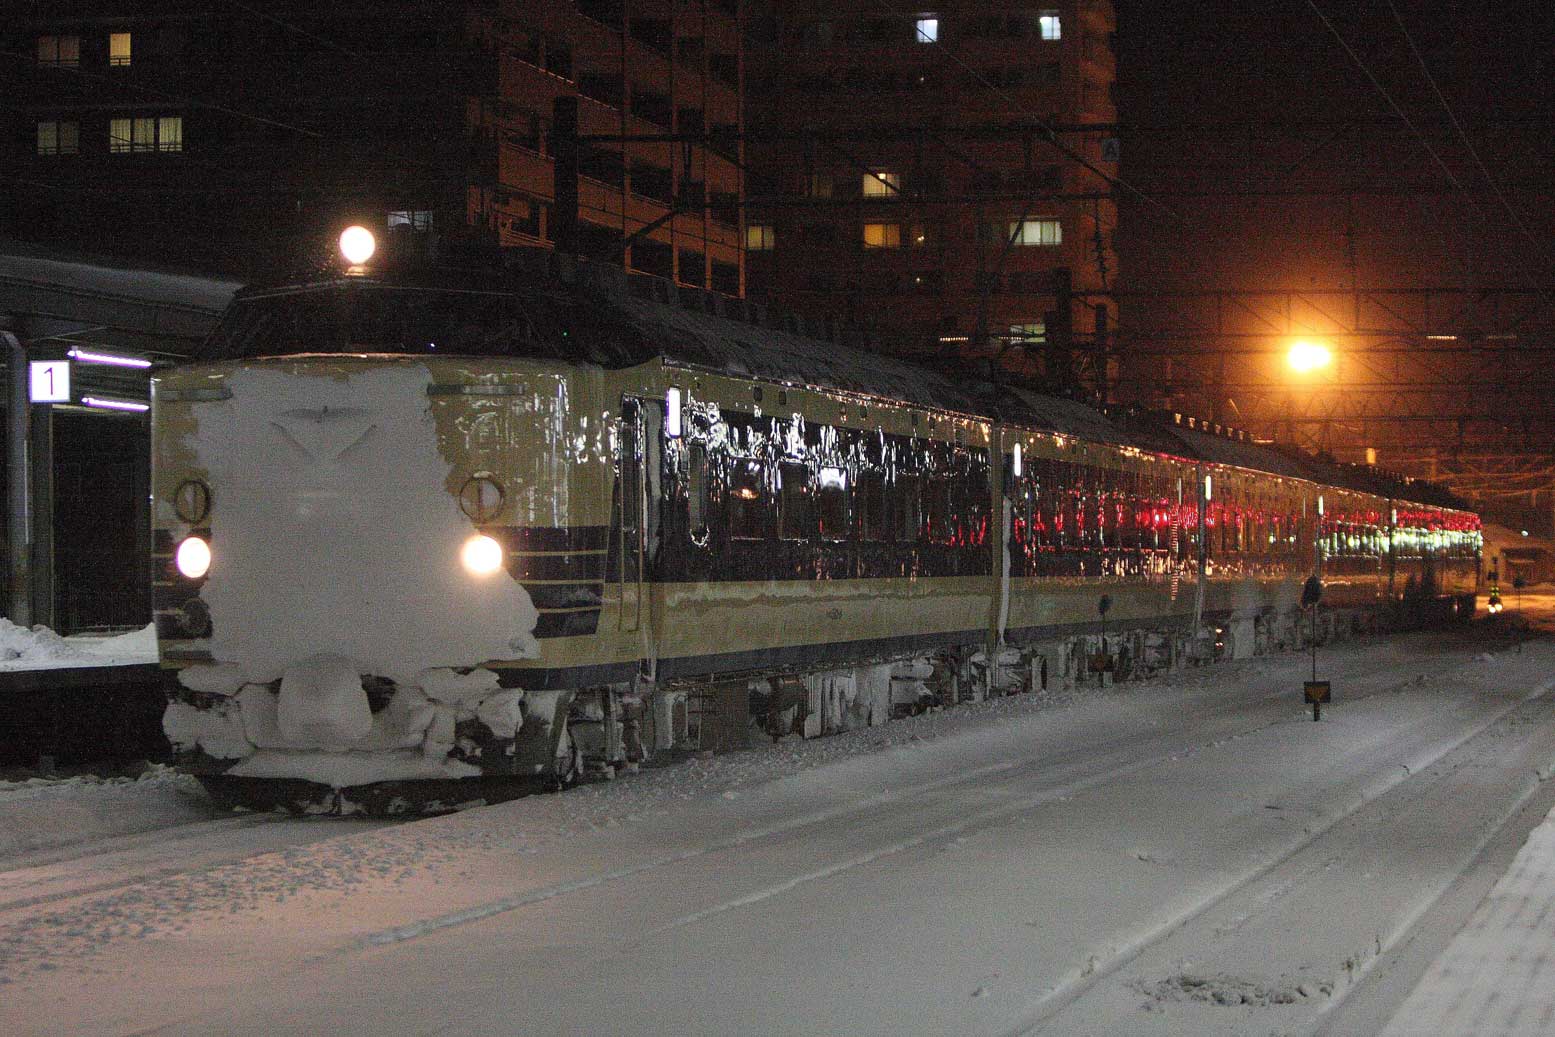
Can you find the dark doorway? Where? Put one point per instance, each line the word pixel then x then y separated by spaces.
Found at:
pixel 102 575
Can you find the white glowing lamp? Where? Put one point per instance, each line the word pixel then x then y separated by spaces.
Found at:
pixel 193 558
pixel 357 244
pixel 672 417
pixel 481 555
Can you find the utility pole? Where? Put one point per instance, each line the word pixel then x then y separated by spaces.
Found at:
pixel 564 187
pixel 17 481
pixel 1058 328
pixel 1099 350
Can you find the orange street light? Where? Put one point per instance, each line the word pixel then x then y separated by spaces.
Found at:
pixel 1305 357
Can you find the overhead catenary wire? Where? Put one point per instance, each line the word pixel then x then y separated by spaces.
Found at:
pixel 1399 111
pixel 1517 219
pixel 163 96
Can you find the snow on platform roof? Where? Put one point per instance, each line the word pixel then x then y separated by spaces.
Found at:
pixel 24 264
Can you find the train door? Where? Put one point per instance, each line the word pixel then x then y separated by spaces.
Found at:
pixel 637 518
pixel 631 516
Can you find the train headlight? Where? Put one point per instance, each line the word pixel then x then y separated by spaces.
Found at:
pixel 481 555
pixel 194 558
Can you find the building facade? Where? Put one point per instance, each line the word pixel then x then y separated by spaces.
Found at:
pixel 940 172
pixel 240 138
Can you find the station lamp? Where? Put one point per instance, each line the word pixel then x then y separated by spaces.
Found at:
pixel 1306 356
pixel 357 244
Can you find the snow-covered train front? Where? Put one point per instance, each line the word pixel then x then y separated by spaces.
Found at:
pixel 345 530
pixel 432 540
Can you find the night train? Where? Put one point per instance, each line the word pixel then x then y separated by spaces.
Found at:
pixel 431 539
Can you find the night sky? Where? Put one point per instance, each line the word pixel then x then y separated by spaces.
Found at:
pixel 1253 123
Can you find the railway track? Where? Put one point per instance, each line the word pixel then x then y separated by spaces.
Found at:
pixel 55 877
pixel 1052 778
pixel 705 879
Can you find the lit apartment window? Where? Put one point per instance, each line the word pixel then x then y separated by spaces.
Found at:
pixel 146 133
pixel 170 133
pixel 760 237
pixel 1036 232
pixel 119 48
pixel 1028 333
pixel 881 183
pixel 59 138
pixel 415 219
pixel 882 235
pixel 1047 23
pixel 59 51
pixel 928 29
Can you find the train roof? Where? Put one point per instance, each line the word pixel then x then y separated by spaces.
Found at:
pixel 693 338
pixel 552 309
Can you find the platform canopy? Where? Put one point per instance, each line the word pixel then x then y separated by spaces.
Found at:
pixel 54 301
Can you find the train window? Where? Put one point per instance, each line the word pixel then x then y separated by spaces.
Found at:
pixel 936 499
pixel 1091 532
pixel 908 508
pixel 977 502
pixel 1026 515
pixel 747 501
pixel 1068 524
pixel 1124 509
pixel 796 507
pixel 1047 513
pixel 831 503
pixel 696 490
pixel 871 504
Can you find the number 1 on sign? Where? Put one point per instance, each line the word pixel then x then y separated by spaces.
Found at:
pixel 50 381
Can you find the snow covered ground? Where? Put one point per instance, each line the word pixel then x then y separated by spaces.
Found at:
pixel 40 648
pixel 45 813
pixel 1184 856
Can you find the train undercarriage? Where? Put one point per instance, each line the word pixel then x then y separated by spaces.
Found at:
pixel 558 739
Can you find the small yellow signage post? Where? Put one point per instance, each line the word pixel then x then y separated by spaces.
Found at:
pixel 1318 692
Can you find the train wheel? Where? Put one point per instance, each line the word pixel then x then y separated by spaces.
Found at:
pixel 567 768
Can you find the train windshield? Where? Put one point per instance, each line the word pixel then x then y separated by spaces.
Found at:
pixel 369 317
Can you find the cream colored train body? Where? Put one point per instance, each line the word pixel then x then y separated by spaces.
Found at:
pixel 598 528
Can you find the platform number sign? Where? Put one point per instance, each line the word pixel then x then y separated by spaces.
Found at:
pixel 50 381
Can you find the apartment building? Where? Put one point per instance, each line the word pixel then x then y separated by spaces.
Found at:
pixel 937 171
pixel 240 137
